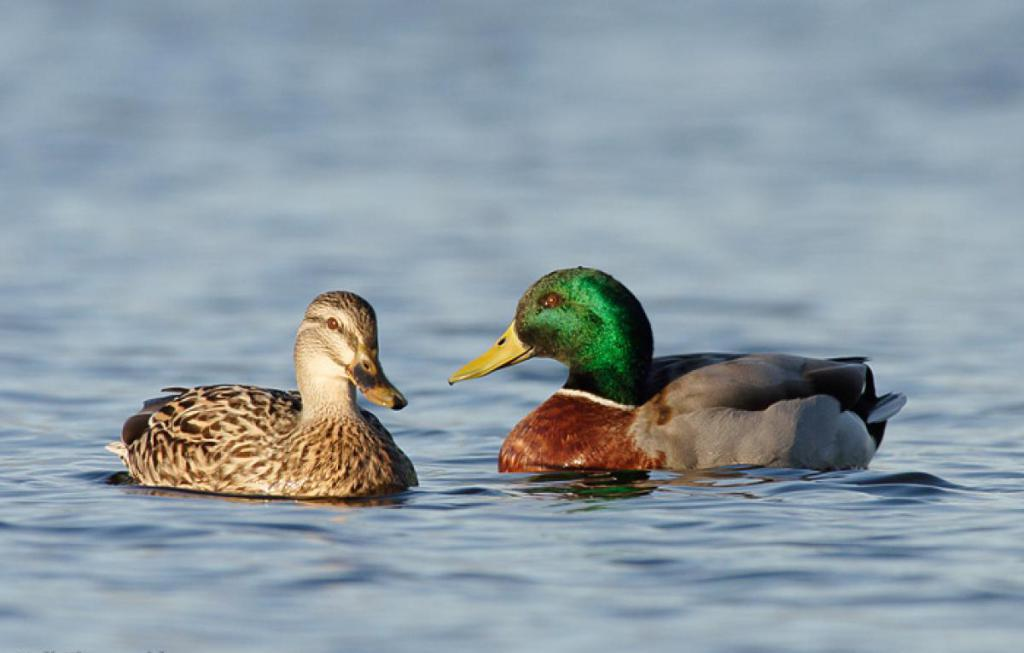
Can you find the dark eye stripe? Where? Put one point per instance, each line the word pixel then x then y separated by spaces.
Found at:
pixel 363 377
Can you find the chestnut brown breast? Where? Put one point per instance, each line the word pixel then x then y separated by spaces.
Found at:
pixel 571 432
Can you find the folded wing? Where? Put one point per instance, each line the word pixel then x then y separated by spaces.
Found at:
pixel 754 381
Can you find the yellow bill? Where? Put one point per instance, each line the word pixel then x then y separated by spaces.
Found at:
pixel 508 350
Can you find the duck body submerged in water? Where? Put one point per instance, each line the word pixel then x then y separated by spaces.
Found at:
pixel 622 409
pixel 315 442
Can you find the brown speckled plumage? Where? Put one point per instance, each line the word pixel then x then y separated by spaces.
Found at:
pixel 247 440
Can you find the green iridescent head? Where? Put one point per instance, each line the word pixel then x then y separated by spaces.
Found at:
pixel 586 320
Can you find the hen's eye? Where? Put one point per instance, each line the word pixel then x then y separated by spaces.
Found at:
pixel 332 324
pixel 551 300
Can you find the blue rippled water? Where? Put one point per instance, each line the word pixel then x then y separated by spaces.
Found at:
pixel 821 178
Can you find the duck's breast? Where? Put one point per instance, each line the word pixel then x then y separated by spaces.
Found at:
pixel 571 430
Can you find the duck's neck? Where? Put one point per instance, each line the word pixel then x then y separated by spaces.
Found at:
pixel 622 386
pixel 614 365
pixel 325 393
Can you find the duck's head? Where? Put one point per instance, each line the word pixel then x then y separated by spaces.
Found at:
pixel 337 340
pixel 584 319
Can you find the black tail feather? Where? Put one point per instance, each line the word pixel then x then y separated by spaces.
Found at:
pixel 875 410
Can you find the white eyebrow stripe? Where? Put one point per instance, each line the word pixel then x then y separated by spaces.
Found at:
pixel 345 323
pixel 347 328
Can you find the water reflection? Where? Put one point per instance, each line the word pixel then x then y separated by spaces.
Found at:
pixel 125 480
pixel 602 486
pixel 627 484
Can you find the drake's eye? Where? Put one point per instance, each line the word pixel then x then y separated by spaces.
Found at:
pixel 551 300
pixel 332 324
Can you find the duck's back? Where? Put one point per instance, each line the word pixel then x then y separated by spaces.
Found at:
pixel 666 369
pixel 222 438
pixel 753 381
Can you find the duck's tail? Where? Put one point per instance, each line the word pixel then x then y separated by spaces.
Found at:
pixel 886 407
pixel 875 410
pixel 120 450
pixel 879 414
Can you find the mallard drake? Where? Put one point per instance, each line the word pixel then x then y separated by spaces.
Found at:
pixel 316 442
pixel 621 409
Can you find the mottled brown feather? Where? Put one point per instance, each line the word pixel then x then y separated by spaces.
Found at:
pixel 247 440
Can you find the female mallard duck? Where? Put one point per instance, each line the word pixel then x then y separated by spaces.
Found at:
pixel 619 409
pixel 312 443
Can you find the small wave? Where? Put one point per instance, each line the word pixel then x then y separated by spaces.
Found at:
pixel 910 478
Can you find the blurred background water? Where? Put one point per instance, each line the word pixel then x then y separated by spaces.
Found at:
pixel 180 179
